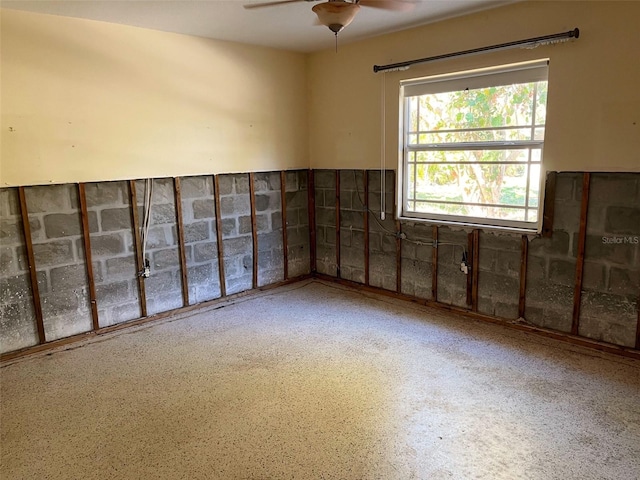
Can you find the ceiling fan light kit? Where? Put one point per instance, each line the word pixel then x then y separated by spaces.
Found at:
pixel 336 14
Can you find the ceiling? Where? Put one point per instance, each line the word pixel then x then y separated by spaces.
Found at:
pixel 289 27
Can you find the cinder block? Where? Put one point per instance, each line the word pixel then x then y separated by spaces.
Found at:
pixel 66 225
pixel 232 206
pixel 325 179
pixel 205 252
pixel 237 246
pixel 116 219
pixel 623 221
pixel 106 193
pixel 241 183
pixel 9 203
pixel 610 318
pixel 113 293
pixel 121 267
pixel 203 208
pixel 608 249
pixel 195 187
pixel 167 258
pixel 107 245
pixel 624 281
pixel 68 277
pixel 196 232
pixel 56 252
pixel 163 214
pixel 10 230
pixel 291 181
pixel 558 244
pixel 51 198
pixel 228 227
pixel 225 184
pixel 614 188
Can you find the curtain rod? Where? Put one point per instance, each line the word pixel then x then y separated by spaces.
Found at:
pixel 529 42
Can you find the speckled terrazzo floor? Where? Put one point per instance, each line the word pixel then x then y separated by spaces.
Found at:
pixel 318 381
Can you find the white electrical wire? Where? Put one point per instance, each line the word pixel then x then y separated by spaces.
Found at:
pixel 146 221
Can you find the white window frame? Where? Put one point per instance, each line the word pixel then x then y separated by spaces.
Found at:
pixel 525 72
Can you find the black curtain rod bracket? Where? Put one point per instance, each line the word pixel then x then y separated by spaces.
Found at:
pixel 527 43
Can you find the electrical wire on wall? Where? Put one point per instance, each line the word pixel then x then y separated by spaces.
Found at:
pixel 146 223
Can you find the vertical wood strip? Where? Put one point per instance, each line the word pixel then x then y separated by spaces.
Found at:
pixel 216 203
pixel 33 273
pixel 475 270
pixel 524 258
pixel 434 264
pixel 254 230
pixel 549 204
pixel 582 239
pixel 365 180
pixel 470 255
pixel 137 243
pixel 283 205
pixel 177 195
pixel 311 209
pixel 337 223
pixel 398 238
pixel 86 239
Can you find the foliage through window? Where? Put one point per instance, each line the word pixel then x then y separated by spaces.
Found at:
pixel 473 146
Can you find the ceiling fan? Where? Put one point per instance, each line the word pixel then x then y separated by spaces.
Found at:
pixel 337 14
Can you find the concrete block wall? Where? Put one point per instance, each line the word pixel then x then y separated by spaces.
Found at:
pixel 164 286
pixel 382 239
pixel 200 238
pixel 237 241
pixel 611 281
pixel 500 257
pixel 352 213
pixel 325 215
pixel 17 327
pixel 268 204
pixel 56 232
pixel 113 253
pixel 58 245
pixel 551 264
pixel 297 204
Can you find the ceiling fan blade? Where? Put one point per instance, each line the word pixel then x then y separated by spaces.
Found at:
pixel 249 6
pixel 397 5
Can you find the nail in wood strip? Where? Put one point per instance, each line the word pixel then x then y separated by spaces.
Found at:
pixel 33 273
pixel 86 238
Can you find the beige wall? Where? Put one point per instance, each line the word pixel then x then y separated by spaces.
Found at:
pixel 85 100
pixel 593 118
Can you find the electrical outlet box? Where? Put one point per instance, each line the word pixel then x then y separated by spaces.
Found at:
pixel 464 268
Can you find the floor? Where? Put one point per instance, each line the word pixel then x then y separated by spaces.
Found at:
pixel 317 381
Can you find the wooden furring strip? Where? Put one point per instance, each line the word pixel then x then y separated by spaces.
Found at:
pixel 283 206
pixel 434 264
pixel 549 204
pixel 582 240
pixel 475 270
pixel 311 209
pixel 33 273
pixel 181 246
pixel 137 243
pixel 254 229
pixel 86 239
pixel 524 258
pixel 338 223
pixel 216 202
pixel 365 180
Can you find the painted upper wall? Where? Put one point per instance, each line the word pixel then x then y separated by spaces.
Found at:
pixel 593 111
pixel 85 100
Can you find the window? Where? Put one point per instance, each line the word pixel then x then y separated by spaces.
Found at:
pixel 472 146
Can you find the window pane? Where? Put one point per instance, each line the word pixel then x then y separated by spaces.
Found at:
pixel 495 213
pixel 501 135
pixel 508 105
pixel 534 186
pixel 479 156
